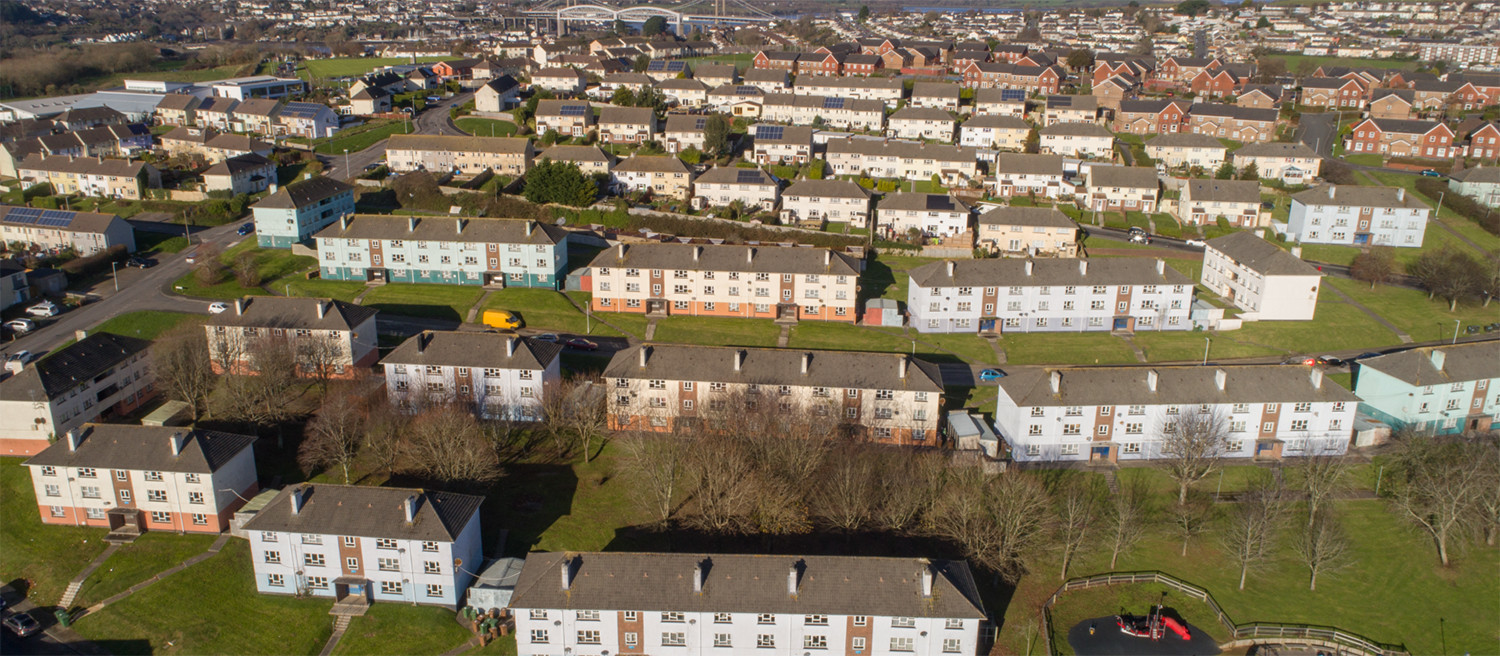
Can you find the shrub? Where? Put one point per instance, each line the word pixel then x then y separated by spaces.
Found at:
pixel 1465 206
pixel 83 267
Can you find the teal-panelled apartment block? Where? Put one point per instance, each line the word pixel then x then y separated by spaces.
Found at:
pixel 296 212
pixel 444 250
pixel 1436 389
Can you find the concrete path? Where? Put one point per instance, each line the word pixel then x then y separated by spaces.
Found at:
pixel 785 337
pixel 999 352
pixel 1405 338
pixel 1140 355
pixel 650 330
pixel 340 626
pixel 213 549
pixel 478 305
pixel 360 300
pixel 77 582
pixel 470 644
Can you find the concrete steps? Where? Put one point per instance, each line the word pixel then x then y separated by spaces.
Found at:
pixel 70 594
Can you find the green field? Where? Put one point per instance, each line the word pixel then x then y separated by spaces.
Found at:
pixel 318 69
pixel 402 629
pixel 340 290
pixel 138 561
pixel 1065 348
pixel 486 127
pixel 272 263
pixel 544 309
pixel 420 300
pixel 1293 61
pixel 714 331
pixel 359 138
pixel 147 325
pixel 1413 313
pixel 45 557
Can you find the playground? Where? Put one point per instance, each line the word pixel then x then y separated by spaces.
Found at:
pixel 1159 632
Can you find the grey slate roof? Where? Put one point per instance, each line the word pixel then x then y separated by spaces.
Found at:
pixel 827 189
pixel 368 512
pixel 1077 130
pixel 764 75
pixel 239 163
pixel 119 168
pixel 551 107
pixel 575 154
pixel 997 121
pixel 1357 196
pixel 1014 215
pixel 460 144
pixel 1260 255
pixel 1275 149
pixel 1461 362
pixel 1050 272
pixel 1027 164
pixel 768 366
pixel 627 116
pixel 1184 140
pixel 829 585
pixel 652 164
pixel 82 221
pixel 1184 385
pixel 1224 191
pixel 293 312
pixel 940 90
pixel 70 366
pixel 903 149
pixel 444 228
pixel 1082 103
pixel 922 203
pixel 1135 177
pixel 869 105
pixel 753 259
pixel 1236 112
pixel 148 448
pixel 731 175
pixel 471 349
pixel 1405 126
pixel 922 114
pixel 1485 174
pixel 303 193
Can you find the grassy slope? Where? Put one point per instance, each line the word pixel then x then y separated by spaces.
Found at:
pixel 139 561
pixel 422 300
pixel 546 309
pixel 401 629
pixel 147 325
pixel 42 556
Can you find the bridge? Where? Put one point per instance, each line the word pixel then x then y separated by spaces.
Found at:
pixel 715 12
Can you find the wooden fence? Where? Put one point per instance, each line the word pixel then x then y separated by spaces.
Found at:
pixel 1240 634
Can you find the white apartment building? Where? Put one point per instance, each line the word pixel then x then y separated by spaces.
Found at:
pixel 499 376
pixel 889 398
pixel 1021 174
pixel 903 160
pixel 100 376
pixel 1078 140
pixel 838 201
pixel 328 338
pixel 1051 295
pixel 932 215
pixel 1358 216
pixel 679 604
pixel 1265 412
pixel 1268 283
pixel 461 154
pixel 723 185
pixel 994 131
pixel 138 478
pixel 929 123
pixel 726 281
pixel 443 250
pixel 358 544
pixel 1028 231
pixel 833 111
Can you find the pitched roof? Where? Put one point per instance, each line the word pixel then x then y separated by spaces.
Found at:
pixel 754 259
pixel 1184 140
pixel 457 143
pixel 1406 126
pixel 293 312
pixel 627 116
pixel 736 175
pixel 551 107
pixel 559 72
pixel 178 101
pixel 474 349
pixel 715 71
pixel 821 102
pixel 1461 362
pixel 444 228
pixel 576 154
pixel 1260 255
pixel 651 164
pixel 902 149
pixel 305 192
pixel 1076 130
pixel 828 585
pixel 922 114
pixel 1123 176
pixel 943 90
pixel 239 164
pixel 257 107
pixel 827 189
pixel 1223 191
pixel 1478 174
pixel 997 121
pixel 80 221
pixel 768 366
pixel 70 366
pixel 118 168
pixel 370 512
pixel 1015 215
pixel 1275 149
pixel 1047 272
pixel 147 448
pixel 1029 164
pixel 1082 103
pixel 922 203
pixel 1180 385
pixel 1237 112
pixel 764 75
pixel 1357 196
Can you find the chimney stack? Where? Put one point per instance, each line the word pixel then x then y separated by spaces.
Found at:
pixel 1221 378
pixel 74 439
pixel 1161 267
pixel 411 508
pixel 1056 379
pixel 1296 252
pixel 344 222
pixel 177 442
pixel 749 256
pixel 806 360
pixel 322 309
pixel 239 306
pixel 1401 193
pixel 697 251
pixel 926 579
pixel 1332 191
pixel 297 500
pixel 411 224
pixel 510 347
pixel 529 226
pixel 901 368
pixel 1317 378
pixel 567 572
pixel 951 266
pixel 1151 379
pixel 1083 267
pixel 620 251
pixel 698 579
pixel 645 354
pixel 421 342
pixel 1030 266
pixel 791 580
pixel 1438 359
pixel 827 258
pixel 458 226
pixel 739 360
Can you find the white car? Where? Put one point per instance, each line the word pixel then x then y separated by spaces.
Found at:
pixel 1195 243
pixel 21 325
pixel 217 308
pixel 44 309
pixel 22 356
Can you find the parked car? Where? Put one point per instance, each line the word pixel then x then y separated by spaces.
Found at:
pixel 140 262
pixel 44 309
pixel 22 624
pixel 21 326
pixel 547 337
pixel 1140 238
pixel 581 344
pixel 1329 361
pixel 1137 230
pixel 1431 173
pixel 991 374
pixel 192 256
pixel 22 356
pixel 1195 243
pixel 218 308
pixel 245 229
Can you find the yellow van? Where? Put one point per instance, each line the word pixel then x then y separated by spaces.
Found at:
pixel 502 319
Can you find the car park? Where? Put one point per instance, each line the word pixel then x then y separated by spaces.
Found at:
pixel 44 309
pixel 218 308
pixel 22 624
pixel 21 326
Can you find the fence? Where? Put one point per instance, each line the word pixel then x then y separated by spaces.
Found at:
pixel 1240 635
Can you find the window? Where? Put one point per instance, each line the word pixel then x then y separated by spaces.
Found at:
pixel 200 519
pixel 53 490
pixel 276 580
pixel 721 618
pixel 153 476
pixel 159 496
pixel 538 614
pixel 385 543
pixel 765 618
pixel 673 639
pixel 435 567
pixel 267 536
pixel 352 564
pixel 954 624
pixel 857 643
pixel 195 497
pixel 317 582
pixel 1132 448
pixel 538 636
pixel 815 620
pixel 903 644
pixel 588 637
pixel 1299 424
pixel 632 616
pixel 313 560
pixel 273 557
pixel 349 541
pixel 765 641
pixel 722 640
pixel 903 623
pixel 951 645
pixel 390 587
pixel 861 620
pixel 388 564
pixel 671 616
pixel 92 492
pixel 814 642
pixel 87 472
pixel 632 639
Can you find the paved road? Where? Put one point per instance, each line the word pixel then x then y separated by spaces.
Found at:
pixel 1319 131
pixel 433 120
pixel 52 640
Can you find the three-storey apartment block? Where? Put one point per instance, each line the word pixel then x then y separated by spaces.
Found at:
pixel 499 376
pixel 1268 283
pixel 465 155
pixel 356 544
pixel 1013 295
pixel 139 478
pixel 888 398
pixel 99 376
pixel 678 604
pixel 327 338
pixel 1434 389
pixel 296 212
pixel 726 281
pixel 451 250
pixel 1264 412
pixel 1358 216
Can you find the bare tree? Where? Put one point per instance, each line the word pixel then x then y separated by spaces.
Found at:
pixel 657 467
pixel 1449 273
pixel 1488 499
pixel 1438 486
pixel 721 478
pixel 579 408
pixel 1191 445
pixel 1126 519
pixel 336 432
pixel 246 272
pixel 320 355
pixel 844 497
pixel 1374 266
pixel 1322 546
pixel 1252 526
pixel 997 519
pixel 261 391
pixel 1192 518
pixel 1076 504
pixel 446 442
pixel 908 486
pixel 385 426
pixel 1321 477
pixel 184 368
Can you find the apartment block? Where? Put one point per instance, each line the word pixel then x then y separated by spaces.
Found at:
pixel 1357 216
pixel 101 376
pixel 294 213
pixel 1266 282
pixel 498 376
pixel 1441 390
pixel 326 338
pixel 448 250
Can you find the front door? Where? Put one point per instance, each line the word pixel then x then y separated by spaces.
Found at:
pixel 1099 453
pixel 1122 323
pixel 375 275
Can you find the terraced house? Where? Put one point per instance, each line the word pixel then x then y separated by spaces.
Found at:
pixel 1292 163
pixel 1442 390
pixel 89 176
pixel 1265 412
pixel 922 123
pixel 1022 174
pixel 572 118
pixel 657 175
pixel 781 144
pixel 994 296
pixel 496 376
pixel 1242 124
pixel 132 479
pixel 1187 150
pixel 462 154
pixel 994 131
pixel 448 250
pixel 1207 201
pixel 627 125
pixel 902 160
pixel 1266 282
pixel 296 212
pixel 831 111
pixel 1402 138
pixel 891 398
pixel 84 232
pixel 817 201
pixel 723 186
pixel 931 215
pixel 763 282
pixel 1028 231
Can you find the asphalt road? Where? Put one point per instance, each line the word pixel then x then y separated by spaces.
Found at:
pixel 433 120
pixel 1319 131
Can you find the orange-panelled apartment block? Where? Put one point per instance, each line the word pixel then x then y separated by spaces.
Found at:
pixel 132 479
pixel 327 337
pixel 762 282
pixel 99 377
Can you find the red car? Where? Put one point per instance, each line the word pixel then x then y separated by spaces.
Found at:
pixel 581 344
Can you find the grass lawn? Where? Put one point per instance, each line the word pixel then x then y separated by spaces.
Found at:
pixel 1065 348
pixel 273 263
pixel 715 331
pixel 1187 346
pixel 839 336
pixel 1393 591
pixel 342 290
pixel 886 275
pixel 1365 159
pixel 402 629
pixel 421 300
pixel 1476 234
pixel 353 66
pixel 545 309
pixel 741 61
pixel 481 127
pixel 1335 326
pixel 562 506
pixel 504 646
pixel 1293 61
pixel 45 557
pixel 970 347
pixel 360 138
pixel 211 608
pixel 138 561
pixel 147 325
pixel 1167 225
pixel 1410 310
pixel 147 243
pixel 633 324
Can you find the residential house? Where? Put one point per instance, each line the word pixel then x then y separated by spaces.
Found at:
pixel 562 80
pixel 1186 150
pixel 656 175
pixel 256 116
pixel 830 111
pixel 177 109
pixel 446 250
pixel 994 131
pixel 627 125
pixel 726 281
pixel 1259 96
pixel 1000 102
pixel 1401 138
pixel 842 605
pixel 82 118
pixel 1241 124
pixel 212 146
pixel 1206 202
pixel 937 216
pixel 684 131
pixel 373 100
pixel 921 123
pixel 715 75
pixel 86 233
pixel 817 201
pixel 294 213
pixel 1011 295
pixel 14 290
pixel 999 75
pixel 1264 281
pixel 902 160
pixel 465 155
pixel 307 120
pixel 721 186
pixel 1122 189
pixel 1110 414
pixel 101 376
pixel 635 82
pixel 937 95
pixel 246 174
pixel 217 113
pixel 327 338
pixel 495 375
pixel 767 80
pixel 667 69
pixel 1482 141
pixel 1482 183
pixel 132 479
pixel 1334 93
pixel 358 543
pixel 455 69
pixel 1021 174
pixel 887 90
pixel 1292 163
pixel 1429 96
pixel 781 144
pixel 589 159
pixel 1070 109
pixel 89 176
pixel 1358 216
pixel 1028 231
pixel 1078 140
pixel 1440 390
pixel 685 92
pixel 1392 103
pixel 741 100
pixel 570 118
pixel 1151 116
pixel 497 95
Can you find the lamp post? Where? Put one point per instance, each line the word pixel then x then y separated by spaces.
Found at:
pixel 346 163
pixel 114 273
pixel 1456 323
pixel 1207 341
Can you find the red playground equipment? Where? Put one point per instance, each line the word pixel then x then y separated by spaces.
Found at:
pixel 1153 625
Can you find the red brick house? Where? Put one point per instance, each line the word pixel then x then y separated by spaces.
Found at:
pixel 1151 116
pixel 777 60
pixel 1483 142
pixel 1334 93
pixel 995 75
pixel 1219 83
pixel 1401 138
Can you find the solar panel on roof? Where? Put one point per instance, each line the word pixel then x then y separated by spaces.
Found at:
pixel 769 132
pixel 833 102
pixel 23 215
pixel 745 91
pixel 573 110
pixel 748 176
pixel 1012 94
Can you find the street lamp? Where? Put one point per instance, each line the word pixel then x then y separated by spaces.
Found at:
pixel 346 162
pixel 1207 341
pixel 115 274
pixel 1455 330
